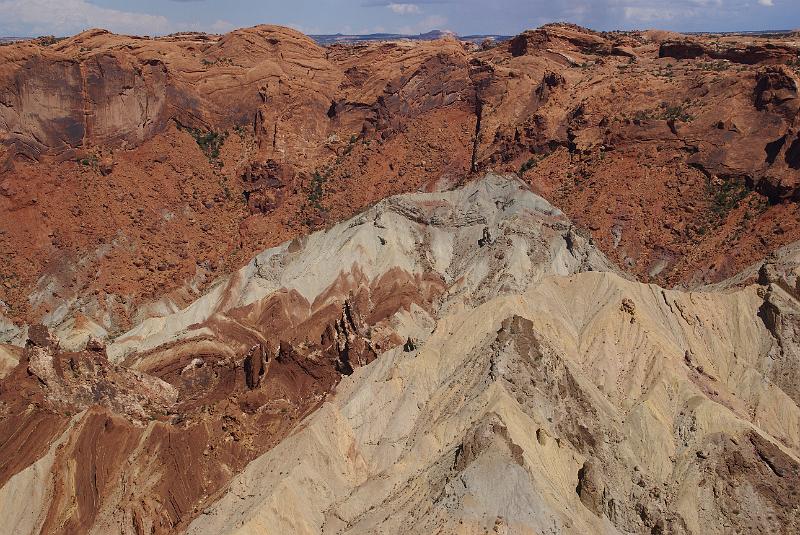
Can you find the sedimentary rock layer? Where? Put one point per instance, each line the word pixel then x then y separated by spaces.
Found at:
pixel 136 171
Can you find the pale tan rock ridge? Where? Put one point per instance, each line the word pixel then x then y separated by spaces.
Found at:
pixel 445 362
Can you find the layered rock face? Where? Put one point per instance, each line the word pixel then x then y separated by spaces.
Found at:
pixel 620 426
pixel 448 362
pixel 136 171
pixel 585 403
pixel 254 285
pixel 185 401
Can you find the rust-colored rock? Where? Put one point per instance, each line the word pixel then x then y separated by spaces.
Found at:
pixel 134 173
pixel 729 50
pixel 225 166
pixel 40 336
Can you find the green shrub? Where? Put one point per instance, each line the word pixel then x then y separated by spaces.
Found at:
pixel 316 193
pixel 528 165
pixel 676 113
pixel 726 197
pixel 715 66
pixel 210 142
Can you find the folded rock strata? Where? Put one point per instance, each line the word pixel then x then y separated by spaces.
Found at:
pixel 542 391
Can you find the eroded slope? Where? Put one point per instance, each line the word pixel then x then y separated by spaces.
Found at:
pixel 588 404
pixel 150 167
pixel 264 348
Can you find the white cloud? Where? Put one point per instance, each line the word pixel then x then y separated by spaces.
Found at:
pixel 767 3
pixel 65 17
pixel 405 9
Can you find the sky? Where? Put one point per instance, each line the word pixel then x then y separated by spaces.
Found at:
pixel 155 17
